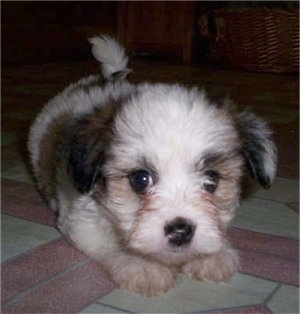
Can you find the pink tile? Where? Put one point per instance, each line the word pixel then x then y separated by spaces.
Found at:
pixel 24 190
pixel 54 277
pixel 23 201
pixel 270 267
pixel 68 293
pixel 267 256
pixel 37 265
pixel 264 243
pixel 259 309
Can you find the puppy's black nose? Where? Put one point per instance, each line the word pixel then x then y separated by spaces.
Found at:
pixel 180 231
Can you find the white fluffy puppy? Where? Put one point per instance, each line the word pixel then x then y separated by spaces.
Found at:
pixel 145 178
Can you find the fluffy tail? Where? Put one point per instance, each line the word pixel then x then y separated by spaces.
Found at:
pixel 112 56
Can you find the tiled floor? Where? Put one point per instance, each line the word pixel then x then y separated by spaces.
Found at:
pixel 43 273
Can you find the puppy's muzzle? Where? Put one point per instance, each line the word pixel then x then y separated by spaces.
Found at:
pixel 179 231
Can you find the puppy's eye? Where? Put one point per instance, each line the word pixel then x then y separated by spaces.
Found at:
pixel 141 180
pixel 211 180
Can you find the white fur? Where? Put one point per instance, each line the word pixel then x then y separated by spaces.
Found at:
pixel 172 129
pixel 110 54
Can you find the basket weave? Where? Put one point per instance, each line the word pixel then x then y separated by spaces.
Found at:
pixel 257 39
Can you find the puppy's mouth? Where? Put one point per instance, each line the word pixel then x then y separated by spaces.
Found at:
pixel 183 249
pixel 175 256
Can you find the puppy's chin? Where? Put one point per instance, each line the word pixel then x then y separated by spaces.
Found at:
pixel 176 256
pixel 173 258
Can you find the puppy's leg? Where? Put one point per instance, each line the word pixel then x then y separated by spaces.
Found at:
pixel 130 272
pixel 139 275
pixel 216 267
pixel 95 236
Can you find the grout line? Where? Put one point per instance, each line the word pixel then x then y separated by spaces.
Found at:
pixel 272 200
pixel 113 307
pixel 39 246
pixel 271 295
pixel 33 220
pixel 270 311
pixel 41 283
pixel 268 279
pixel 247 306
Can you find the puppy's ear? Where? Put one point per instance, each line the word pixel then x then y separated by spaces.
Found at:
pixel 258 147
pixel 87 149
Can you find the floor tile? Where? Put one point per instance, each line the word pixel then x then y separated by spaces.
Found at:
pixel 285 300
pixel 294 206
pixel 18 172
pixel 264 243
pixel 65 293
pixel 99 309
pixel 282 190
pixel 266 266
pixel 36 266
pixel 258 309
pixel 19 235
pixel 23 200
pixel 267 256
pixel 191 295
pixel 267 217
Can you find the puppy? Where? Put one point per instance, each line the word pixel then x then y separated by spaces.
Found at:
pixel 145 178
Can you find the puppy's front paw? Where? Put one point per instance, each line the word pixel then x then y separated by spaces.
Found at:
pixel 216 267
pixel 143 277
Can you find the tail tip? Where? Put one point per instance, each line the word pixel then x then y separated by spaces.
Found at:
pixel 111 55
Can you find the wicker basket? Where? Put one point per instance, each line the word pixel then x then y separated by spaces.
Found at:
pixel 257 39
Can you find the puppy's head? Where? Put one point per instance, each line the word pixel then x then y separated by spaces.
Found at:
pixel 167 166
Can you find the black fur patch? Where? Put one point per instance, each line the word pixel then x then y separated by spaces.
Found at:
pixel 87 151
pixel 255 166
pixel 215 158
pixel 255 135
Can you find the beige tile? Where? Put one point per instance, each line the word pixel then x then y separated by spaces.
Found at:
pixel 100 309
pixel 191 295
pixel 282 190
pixel 17 172
pixel 285 300
pixel 268 217
pixel 19 236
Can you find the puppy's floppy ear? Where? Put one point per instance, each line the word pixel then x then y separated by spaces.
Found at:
pixel 258 147
pixel 87 149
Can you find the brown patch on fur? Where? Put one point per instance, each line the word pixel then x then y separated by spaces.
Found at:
pixel 54 145
pixel 248 186
pixel 115 193
pixel 119 187
pixel 228 186
pixel 221 203
pixel 51 147
pixel 146 200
